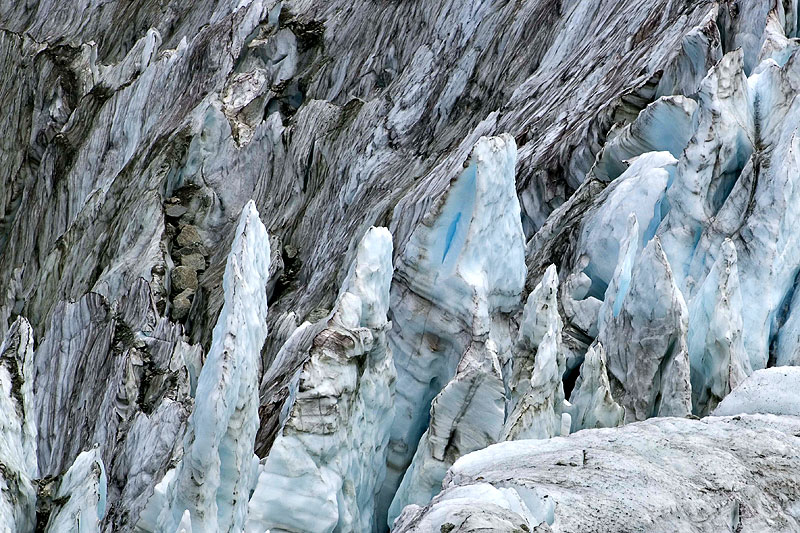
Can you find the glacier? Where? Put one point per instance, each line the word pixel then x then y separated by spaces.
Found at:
pixel 328 461
pixel 304 266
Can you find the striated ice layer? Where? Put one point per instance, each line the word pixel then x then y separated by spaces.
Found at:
pixel 458 279
pixel 80 500
pixel 17 431
pixel 746 126
pixel 663 126
pixel 716 351
pixel 329 459
pixel 593 406
pixel 213 479
pixel 467 415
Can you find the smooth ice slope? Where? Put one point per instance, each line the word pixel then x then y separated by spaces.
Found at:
pixel 767 391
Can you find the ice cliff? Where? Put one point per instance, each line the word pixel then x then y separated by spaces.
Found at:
pixel 415 266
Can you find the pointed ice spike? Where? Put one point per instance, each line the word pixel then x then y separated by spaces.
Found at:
pixel 80 500
pixel 716 350
pixel 645 338
pixel 592 403
pixel 326 464
pixel 459 278
pixel 213 480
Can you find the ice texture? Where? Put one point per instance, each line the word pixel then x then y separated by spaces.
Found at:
pixel 537 411
pixel 80 500
pixel 213 479
pixel 329 459
pixel 593 406
pixel 645 335
pixel 467 415
pixel 716 351
pixel 679 474
pixel 17 430
pixel 766 391
pixel 454 290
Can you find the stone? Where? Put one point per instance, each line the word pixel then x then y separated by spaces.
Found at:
pixel 188 236
pixel 182 304
pixel 175 211
pixel 183 277
pixel 194 261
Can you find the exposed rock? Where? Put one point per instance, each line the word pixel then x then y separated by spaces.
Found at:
pixel 214 477
pixel 183 278
pixel 175 211
pixel 181 305
pixel 188 236
pixel 194 261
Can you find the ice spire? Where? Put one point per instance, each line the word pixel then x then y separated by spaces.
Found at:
pixel 213 480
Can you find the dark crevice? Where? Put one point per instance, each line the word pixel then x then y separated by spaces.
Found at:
pixel 287 282
pixel 658 379
pixel 781 315
pixel 570 378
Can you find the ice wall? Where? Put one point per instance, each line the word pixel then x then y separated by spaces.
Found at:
pixel 329 459
pixel 213 479
pixel 457 281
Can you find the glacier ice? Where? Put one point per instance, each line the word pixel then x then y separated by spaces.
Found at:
pixel 716 351
pixel 766 391
pixel 645 335
pixel 538 409
pixel 663 126
pixel 457 280
pixel 80 500
pixel 17 430
pixel 539 316
pixel 651 167
pixel 467 415
pixel 670 473
pixel 213 478
pixel 592 404
pixel 329 459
